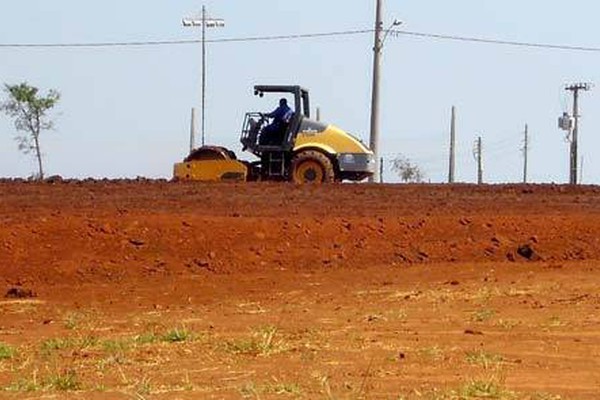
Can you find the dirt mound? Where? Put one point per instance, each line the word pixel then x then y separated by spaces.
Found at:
pixel 94 231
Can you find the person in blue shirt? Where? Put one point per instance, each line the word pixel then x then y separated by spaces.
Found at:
pixel 281 117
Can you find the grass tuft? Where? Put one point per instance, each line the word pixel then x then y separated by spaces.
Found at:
pixel 482 315
pixel 50 345
pixel 251 390
pixel 433 353
pixel 262 343
pixel 116 346
pixel 147 338
pixel 485 389
pixel 484 359
pixel 6 352
pixel 545 396
pixel 72 320
pixel 555 322
pixel 178 335
pixel 64 381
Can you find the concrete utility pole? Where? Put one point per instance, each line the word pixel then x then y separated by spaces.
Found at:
pixel 380 36
pixel 377 50
pixel 525 153
pixel 193 130
pixel 452 165
pixel 203 22
pixel 575 88
pixel 478 154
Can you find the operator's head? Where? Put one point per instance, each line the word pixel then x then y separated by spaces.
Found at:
pixel 283 102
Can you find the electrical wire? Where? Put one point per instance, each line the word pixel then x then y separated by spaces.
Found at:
pixel 185 42
pixel 497 41
pixel 436 36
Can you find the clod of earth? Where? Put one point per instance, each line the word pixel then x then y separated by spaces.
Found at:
pixel 528 252
pixel 137 242
pixel 19 293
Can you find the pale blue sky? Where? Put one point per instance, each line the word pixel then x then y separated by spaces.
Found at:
pixel 125 111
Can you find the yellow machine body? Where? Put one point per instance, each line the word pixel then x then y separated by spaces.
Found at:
pixel 332 141
pixel 211 171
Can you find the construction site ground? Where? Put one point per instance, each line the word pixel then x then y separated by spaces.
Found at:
pixel 157 290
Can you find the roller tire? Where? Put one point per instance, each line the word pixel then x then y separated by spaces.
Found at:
pixel 312 167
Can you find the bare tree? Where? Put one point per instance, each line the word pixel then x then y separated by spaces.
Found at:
pixel 407 170
pixel 29 111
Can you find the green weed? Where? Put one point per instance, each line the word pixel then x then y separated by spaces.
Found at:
pixel 555 322
pixel 25 385
pixel 146 338
pixel 178 335
pixel 143 387
pixel 484 359
pixel 50 345
pixel 482 315
pixel 507 324
pixel 545 396
pixel 64 381
pixel 116 346
pixel 6 352
pixel 433 353
pixel 261 343
pixel 72 320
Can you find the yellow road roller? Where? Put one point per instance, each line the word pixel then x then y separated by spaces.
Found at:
pixel 295 148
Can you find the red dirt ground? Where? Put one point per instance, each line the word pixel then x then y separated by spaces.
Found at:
pixel 342 291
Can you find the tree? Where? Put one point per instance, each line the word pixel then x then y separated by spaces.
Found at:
pixel 407 171
pixel 29 110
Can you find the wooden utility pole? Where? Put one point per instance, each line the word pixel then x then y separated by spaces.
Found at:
pixel 574 138
pixel 452 146
pixel 525 153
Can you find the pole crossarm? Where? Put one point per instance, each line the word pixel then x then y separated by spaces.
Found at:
pixel 208 22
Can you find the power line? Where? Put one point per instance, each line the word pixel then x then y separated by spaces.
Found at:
pixel 396 33
pixel 185 42
pixel 496 41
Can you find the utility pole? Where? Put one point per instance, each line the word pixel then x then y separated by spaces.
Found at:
pixel 575 88
pixel 381 170
pixel 452 165
pixel 478 155
pixel 525 153
pixel 203 22
pixel 203 123
pixel 193 130
pixel 377 50
pixel 380 36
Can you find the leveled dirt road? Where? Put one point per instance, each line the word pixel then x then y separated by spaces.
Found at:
pixel 168 291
